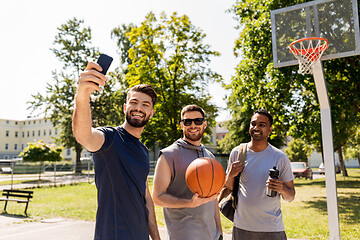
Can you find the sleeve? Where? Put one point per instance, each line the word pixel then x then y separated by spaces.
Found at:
pixel 109 133
pixel 286 174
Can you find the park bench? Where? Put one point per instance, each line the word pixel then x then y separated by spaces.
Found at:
pixel 20 196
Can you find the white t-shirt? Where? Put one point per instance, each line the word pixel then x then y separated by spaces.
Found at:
pixel 255 210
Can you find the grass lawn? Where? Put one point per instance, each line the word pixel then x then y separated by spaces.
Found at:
pixel 305 217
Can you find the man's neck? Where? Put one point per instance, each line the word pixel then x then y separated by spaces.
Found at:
pixel 136 132
pixel 258 146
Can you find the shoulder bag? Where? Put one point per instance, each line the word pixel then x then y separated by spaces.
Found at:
pixel 228 198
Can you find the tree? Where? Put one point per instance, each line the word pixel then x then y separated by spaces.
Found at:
pixel 298 150
pixel 72 48
pixel 290 96
pixel 169 54
pixel 41 152
pixel 352 148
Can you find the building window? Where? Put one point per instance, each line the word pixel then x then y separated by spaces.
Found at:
pixel 15 147
pixel 22 134
pixel 28 134
pixel 55 131
pixel 6 146
pixel 33 133
pixel 22 147
pixel 44 132
pixel 16 134
pixel 7 133
pixel 45 120
pixel 16 123
pixel 39 132
pixel 68 152
pixel 7 121
pixel 29 122
pixel 49 132
pixel 34 122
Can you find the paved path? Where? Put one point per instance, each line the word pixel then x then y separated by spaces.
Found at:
pixel 16 228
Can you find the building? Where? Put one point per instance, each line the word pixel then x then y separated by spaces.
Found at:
pixel 221 130
pixel 16 134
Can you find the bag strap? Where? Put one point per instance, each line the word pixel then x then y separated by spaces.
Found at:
pixel 241 157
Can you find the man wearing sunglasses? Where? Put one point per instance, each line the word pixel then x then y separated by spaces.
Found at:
pixel 187 216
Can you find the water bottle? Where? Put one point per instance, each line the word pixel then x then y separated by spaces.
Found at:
pixel 274 174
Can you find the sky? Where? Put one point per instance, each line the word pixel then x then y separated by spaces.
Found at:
pixel 28 30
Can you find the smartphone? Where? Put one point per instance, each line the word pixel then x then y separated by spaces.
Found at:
pixel 104 61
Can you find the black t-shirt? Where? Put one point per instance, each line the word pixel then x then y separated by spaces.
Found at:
pixel 121 170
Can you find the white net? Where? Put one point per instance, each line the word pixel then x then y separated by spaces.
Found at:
pixel 308 51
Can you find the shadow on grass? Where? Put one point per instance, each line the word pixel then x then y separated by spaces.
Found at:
pixel 301 182
pixel 37 181
pixel 353 182
pixel 14 216
pixel 349 206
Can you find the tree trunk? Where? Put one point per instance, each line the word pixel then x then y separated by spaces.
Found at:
pixel 358 159
pixel 342 164
pixel 40 170
pixel 78 150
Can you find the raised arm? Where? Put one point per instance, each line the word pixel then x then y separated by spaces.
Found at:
pixel 89 82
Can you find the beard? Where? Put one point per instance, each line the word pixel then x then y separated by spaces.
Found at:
pixel 136 123
pixel 256 137
pixel 193 137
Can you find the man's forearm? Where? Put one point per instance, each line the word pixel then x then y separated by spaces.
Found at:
pixel 288 191
pixel 81 121
pixel 153 229
pixel 229 183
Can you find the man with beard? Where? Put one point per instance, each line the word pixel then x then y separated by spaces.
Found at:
pixel 187 216
pixel 125 207
pixel 257 215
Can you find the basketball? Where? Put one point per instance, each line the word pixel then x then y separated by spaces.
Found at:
pixel 205 176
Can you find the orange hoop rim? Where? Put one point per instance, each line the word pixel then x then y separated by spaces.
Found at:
pixel 318 49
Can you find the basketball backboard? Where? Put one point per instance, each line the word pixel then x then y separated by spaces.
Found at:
pixel 335 20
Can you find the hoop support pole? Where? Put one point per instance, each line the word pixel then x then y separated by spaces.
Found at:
pixel 328 150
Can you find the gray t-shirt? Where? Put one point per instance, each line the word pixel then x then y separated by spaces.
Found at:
pixel 255 210
pixel 187 223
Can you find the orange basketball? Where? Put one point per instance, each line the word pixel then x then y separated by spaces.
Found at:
pixel 205 176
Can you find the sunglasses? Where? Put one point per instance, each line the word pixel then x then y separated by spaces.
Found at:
pixel 197 121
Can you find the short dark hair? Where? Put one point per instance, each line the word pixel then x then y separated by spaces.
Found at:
pixel 143 88
pixel 266 113
pixel 192 108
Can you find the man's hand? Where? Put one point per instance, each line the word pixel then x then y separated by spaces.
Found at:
pixel 236 168
pixel 286 190
pixel 197 201
pixel 275 185
pixel 91 79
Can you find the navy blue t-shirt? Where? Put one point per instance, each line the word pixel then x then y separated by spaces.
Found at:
pixel 121 169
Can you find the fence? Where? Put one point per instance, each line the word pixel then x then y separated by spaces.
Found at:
pixel 27 175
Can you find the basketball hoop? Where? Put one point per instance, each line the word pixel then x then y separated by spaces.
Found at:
pixel 308 51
